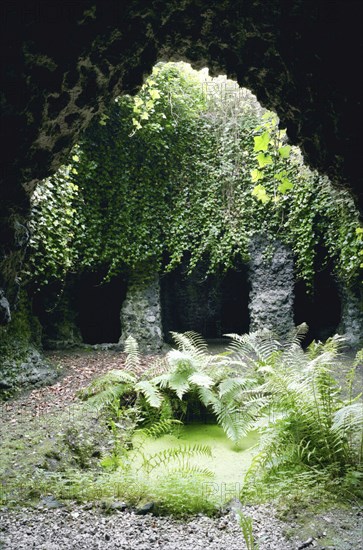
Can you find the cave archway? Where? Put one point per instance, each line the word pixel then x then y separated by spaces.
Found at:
pixel 212 305
pixel 302 60
pixel 321 309
pixel 98 306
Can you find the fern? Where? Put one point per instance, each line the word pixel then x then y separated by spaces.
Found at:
pixel 179 454
pixel 191 470
pixel 150 392
pixel 161 428
pixel 133 356
pixel 191 342
pixel 105 382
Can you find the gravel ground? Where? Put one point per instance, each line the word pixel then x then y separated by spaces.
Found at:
pixel 79 529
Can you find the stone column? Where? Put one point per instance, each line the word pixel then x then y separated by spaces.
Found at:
pixel 141 313
pixel 271 276
pixel 351 324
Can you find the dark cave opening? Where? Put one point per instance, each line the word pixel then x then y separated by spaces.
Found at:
pixel 320 309
pixel 212 305
pixel 98 305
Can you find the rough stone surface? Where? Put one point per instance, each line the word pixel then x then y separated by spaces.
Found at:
pixel 5 315
pixel 64 61
pixel 271 274
pixel 30 371
pixel 58 318
pixel 352 316
pixel 141 314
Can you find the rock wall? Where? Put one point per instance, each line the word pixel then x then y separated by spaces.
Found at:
pixel 56 311
pixel 141 314
pixel 64 61
pixel 271 275
pixel 352 316
pixel 21 363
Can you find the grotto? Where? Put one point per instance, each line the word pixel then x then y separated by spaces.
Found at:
pixel 104 436
pixel 301 60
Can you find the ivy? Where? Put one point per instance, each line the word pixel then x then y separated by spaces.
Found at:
pixel 193 165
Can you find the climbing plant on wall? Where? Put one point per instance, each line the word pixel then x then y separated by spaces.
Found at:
pixel 129 166
pixel 190 164
pixel 53 224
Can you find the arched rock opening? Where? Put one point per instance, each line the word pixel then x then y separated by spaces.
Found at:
pixel 98 307
pixel 211 305
pixel 302 60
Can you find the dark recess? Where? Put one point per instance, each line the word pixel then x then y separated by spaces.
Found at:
pixel 98 305
pixel 210 305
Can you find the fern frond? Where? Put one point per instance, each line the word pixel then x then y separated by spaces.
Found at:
pixel 228 387
pixel 260 345
pixel 161 428
pixel 208 397
pixel 191 470
pixel 181 361
pixel 179 454
pixel 132 354
pixel 296 336
pixel 192 342
pixel 201 379
pixel 150 392
pixel 108 396
pixel 113 377
pixel 158 367
pixel 348 418
pixel 179 381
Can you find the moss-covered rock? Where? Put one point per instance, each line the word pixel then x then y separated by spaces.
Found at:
pixel 21 361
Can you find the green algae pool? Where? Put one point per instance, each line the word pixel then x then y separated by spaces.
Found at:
pixel 228 462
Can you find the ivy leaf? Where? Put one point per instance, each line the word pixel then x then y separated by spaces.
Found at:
pixel 264 160
pixel 260 193
pixel 144 116
pixel 256 175
pixel 154 94
pixel 136 123
pixel 75 158
pixel 262 141
pixel 285 185
pixel 138 101
pixel 359 230
pixel 284 152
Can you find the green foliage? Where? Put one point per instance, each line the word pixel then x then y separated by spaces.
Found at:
pixel 312 435
pixel 246 524
pixel 190 167
pixel 54 223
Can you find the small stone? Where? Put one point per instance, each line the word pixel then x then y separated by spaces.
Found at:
pixel 51 502
pixel 146 509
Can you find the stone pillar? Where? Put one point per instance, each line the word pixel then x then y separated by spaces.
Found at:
pixel 141 314
pixel 351 324
pixel 271 276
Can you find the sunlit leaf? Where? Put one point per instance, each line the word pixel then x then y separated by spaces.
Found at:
pixel 136 123
pixel 262 141
pixel 260 193
pixel 285 185
pixel 284 152
pixel 154 94
pixel 256 175
pixel 264 160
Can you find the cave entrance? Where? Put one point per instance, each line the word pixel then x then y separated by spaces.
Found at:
pixel 98 306
pixel 212 305
pixel 321 309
